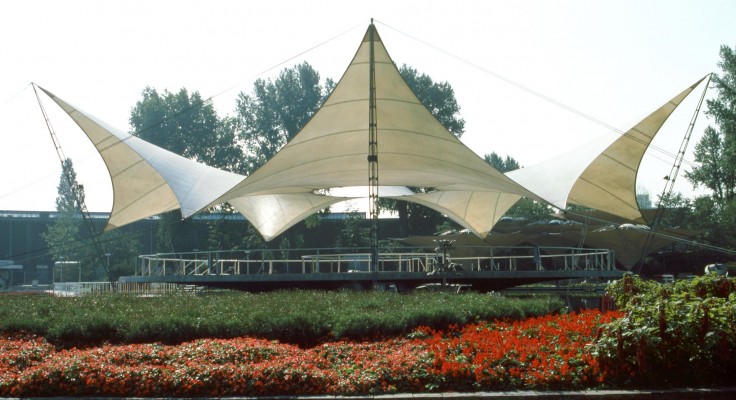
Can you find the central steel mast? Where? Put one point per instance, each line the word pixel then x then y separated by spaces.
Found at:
pixel 373 156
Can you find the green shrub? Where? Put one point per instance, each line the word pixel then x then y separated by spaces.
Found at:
pixel 300 317
pixel 676 334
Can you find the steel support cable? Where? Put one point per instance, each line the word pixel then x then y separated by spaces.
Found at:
pixel 567 108
pixel 536 93
pixel 672 177
pixel 203 101
pixel 13 97
pixel 75 188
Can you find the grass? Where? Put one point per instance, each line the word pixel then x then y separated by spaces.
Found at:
pixel 299 317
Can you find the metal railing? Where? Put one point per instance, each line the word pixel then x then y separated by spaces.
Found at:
pixel 315 261
pixel 73 289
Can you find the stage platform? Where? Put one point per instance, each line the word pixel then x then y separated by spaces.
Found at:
pixel 490 270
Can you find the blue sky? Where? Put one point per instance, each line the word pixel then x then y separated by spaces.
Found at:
pixel 613 61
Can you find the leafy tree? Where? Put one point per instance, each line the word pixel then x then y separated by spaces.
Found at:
pixel 270 116
pixel 121 252
pixel 718 221
pixel 439 99
pixel 224 233
pixel 714 171
pixel 276 110
pixel 716 151
pixel 676 211
pixel 69 241
pixel 716 154
pixel 63 237
pixel 414 218
pixel 529 210
pixel 501 164
pixel 705 213
pixel 354 233
pixel 186 124
pixel 252 239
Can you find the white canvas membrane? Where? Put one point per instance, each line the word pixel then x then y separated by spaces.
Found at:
pixel 414 149
pixel 332 149
pixel 146 179
pixel 600 175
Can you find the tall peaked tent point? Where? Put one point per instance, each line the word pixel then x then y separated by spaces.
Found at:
pixel 413 149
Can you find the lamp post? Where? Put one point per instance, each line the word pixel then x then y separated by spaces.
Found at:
pixel 61 264
pixel 61 269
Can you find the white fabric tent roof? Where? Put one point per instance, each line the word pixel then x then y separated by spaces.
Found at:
pixel 600 175
pixel 414 149
pixel 146 179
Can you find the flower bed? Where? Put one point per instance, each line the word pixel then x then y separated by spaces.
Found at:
pixel 543 353
pixel 675 335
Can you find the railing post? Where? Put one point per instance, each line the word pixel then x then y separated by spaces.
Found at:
pixel 612 260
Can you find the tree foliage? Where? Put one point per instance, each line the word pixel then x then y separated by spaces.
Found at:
pixel 502 164
pixel 263 122
pixel 716 154
pixel 439 99
pixel 185 124
pixel 713 171
pixel 275 111
pixel 354 232
pixel 716 151
pixel 70 241
pixel 63 237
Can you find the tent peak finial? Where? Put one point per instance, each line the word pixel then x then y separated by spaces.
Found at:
pixel 371 21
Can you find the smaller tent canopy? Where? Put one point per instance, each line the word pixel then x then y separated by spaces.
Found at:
pixel 627 242
pixel 146 179
pixel 600 175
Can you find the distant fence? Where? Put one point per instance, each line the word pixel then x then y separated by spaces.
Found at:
pixel 72 289
pixel 315 261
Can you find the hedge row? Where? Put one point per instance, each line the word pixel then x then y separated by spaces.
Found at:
pixel 299 317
